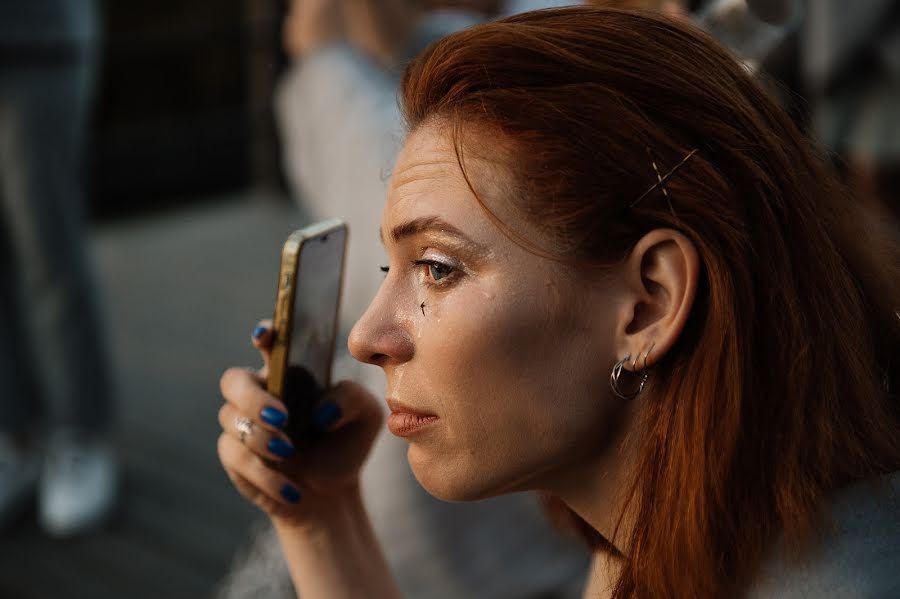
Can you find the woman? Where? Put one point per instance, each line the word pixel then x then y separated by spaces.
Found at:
pixel 618 275
pixel 339 114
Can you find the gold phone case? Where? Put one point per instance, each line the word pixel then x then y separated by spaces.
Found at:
pixel 282 323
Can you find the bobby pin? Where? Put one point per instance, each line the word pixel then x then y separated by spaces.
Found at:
pixel 661 180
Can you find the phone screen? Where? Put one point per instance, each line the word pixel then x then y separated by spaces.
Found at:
pixel 315 312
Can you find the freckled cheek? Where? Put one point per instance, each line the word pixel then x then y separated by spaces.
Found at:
pixel 485 361
pixel 448 349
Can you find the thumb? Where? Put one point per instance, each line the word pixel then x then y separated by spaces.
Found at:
pixel 262 338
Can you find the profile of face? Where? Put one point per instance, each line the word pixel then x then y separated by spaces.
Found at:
pixel 497 359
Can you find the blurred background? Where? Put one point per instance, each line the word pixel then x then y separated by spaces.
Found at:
pixel 197 156
pixel 184 214
pixel 183 106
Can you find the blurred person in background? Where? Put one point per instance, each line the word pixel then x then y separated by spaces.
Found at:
pixel 843 59
pixel 55 405
pixel 341 129
pixel 850 62
pixel 752 29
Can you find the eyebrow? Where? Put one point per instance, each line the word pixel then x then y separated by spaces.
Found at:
pixel 426 224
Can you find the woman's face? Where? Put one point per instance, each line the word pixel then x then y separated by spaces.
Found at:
pixel 497 360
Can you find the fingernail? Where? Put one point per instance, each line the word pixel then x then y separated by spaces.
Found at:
pixel 273 416
pixel 290 493
pixel 280 447
pixel 259 331
pixel 326 414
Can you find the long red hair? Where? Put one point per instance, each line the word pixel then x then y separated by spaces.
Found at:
pixel 781 388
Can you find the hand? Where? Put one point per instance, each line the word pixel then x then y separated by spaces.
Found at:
pixel 676 9
pixel 487 8
pixel 673 8
pixel 381 28
pixel 291 486
pixel 312 23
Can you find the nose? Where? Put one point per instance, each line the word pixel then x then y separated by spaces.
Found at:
pixel 378 338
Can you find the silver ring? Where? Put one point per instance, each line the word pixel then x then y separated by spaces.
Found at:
pixel 244 426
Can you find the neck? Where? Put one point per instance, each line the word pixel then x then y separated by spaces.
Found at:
pixel 597 490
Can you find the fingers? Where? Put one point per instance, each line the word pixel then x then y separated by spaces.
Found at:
pixel 262 338
pixel 243 389
pixel 262 334
pixel 271 446
pixel 250 474
pixel 346 403
pixel 322 469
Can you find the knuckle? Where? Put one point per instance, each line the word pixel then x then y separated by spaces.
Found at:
pixel 242 387
pixel 258 441
pixel 245 460
pixel 224 413
pixel 355 398
pixel 344 393
pixel 236 456
pixel 229 380
pixel 343 387
pixel 260 473
pixel 222 449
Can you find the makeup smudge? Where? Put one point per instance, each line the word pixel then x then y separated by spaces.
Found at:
pixel 423 308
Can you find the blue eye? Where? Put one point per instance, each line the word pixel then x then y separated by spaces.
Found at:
pixel 436 270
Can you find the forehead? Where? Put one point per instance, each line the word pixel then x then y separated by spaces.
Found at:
pixel 427 159
pixel 427 177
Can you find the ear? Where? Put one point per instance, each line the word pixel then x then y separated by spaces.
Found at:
pixel 661 275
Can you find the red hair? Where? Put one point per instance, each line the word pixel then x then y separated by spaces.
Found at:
pixel 779 390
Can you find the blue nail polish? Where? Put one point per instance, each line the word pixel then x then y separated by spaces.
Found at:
pixel 326 415
pixel 273 416
pixel 280 447
pixel 290 493
pixel 259 331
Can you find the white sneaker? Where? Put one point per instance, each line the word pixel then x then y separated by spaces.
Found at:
pixel 78 486
pixel 19 470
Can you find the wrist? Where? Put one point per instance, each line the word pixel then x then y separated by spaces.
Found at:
pixel 329 516
pixel 334 553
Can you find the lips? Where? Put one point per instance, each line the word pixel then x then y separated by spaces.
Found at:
pixel 405 421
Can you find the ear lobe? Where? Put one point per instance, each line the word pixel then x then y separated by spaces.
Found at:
pixel 663 272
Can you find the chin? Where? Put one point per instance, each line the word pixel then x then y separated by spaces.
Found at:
pixel 447 489
pixel 458 482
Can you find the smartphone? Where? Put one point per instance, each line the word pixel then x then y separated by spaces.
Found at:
pixel 306 321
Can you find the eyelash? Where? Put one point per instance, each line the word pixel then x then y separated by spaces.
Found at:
pixel 449 274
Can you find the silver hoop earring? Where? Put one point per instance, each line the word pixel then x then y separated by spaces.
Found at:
pixel 620 366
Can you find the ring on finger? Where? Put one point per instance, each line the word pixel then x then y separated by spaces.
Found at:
pixel 244 427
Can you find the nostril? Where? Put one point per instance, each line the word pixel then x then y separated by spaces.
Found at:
pixel 378 359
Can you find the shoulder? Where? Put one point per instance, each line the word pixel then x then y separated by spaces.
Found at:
pixel 859 552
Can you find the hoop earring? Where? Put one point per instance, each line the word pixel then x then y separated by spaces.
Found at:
pixel 617 372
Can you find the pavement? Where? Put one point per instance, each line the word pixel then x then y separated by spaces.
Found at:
pixel 181 291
